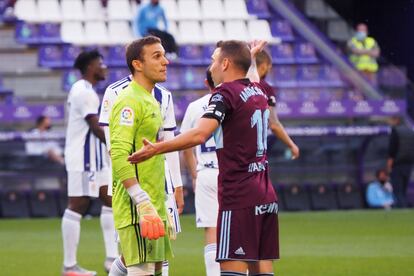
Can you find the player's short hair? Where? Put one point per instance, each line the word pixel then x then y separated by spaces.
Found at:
pixel 209 78
pixel 85 58
pixel 135 48
pixel 263 57
pixel 40 119
pixel 237 51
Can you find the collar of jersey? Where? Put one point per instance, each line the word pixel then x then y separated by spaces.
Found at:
pixel 137 87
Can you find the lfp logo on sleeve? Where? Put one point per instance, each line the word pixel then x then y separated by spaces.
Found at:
pixel 127 116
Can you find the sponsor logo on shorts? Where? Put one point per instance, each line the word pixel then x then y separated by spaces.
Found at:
pixel 239 251
pixel 267 208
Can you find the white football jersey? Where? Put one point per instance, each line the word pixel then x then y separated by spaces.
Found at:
pixel 164 98
pixel 83 150
pixel 205 153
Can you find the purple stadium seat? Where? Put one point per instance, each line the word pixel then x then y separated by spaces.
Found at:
pixel 392 76
pixel 174 79
pixel 287 95
pixel 282 30
pixel 285 76
pixel 307 76
pixel 258 8
pixel 330 76
pixel 50 33
pixel 115 74
pixel 69 54
pixel 27 33
pixel 305 53
pixel 282 54
pixel 309 94
pixel 191 54
pixel 207 52
pixel 116 56
pixel 50 56
pixel 193 77
pixel 69 78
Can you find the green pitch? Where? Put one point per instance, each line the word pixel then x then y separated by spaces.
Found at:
pixel 314 243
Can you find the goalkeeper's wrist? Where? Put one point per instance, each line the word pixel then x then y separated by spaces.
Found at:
pixel 137 194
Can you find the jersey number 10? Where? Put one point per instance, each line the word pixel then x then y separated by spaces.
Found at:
pixel 261 121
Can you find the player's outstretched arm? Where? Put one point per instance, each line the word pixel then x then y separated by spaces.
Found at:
pixel 256 46
pixel 195 136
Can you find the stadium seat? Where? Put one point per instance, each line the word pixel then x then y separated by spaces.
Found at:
pixel 69 54
pixel 95 207
pixel 171 9
pixel 280 201
pixel 296 198
pixel 285 76
pixel 49 33
pixel 235 9
pixel 27 10
pixel 282 29
pixel 69 78
pixel 116 74
pixel 190 54
pixel 120 32
pixel 94 10
pixel 258 8
pixel 72 32
pixel 50 56
pixel 49 10
pixel 287 95
pixel 307 76
pixel 212 9
pixel 173 29
pixel 14 204
pixel 260 29
pixel 190 32
pixel 116 56
pixel 72 10
pixel 330 76
pixel 339 30
pixel 174 78
pixel 43 203
pixel 236 29
pixel 323 197
pixel 119 10
pixel 282 53
pixel 193 77
pixel 96 32
pixel 349 196
pixel 305 53
pixel 27 33
pixel 208 50
pixel 188 10
pixel 213 31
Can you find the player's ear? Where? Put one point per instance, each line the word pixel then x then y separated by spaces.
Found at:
pixel 225 64
pixel 137 64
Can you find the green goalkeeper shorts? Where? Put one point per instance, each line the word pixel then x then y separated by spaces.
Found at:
pixel 137 250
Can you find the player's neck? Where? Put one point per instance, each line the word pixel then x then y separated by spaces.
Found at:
pixel 234 75
pixel 144 82
pixel 90 79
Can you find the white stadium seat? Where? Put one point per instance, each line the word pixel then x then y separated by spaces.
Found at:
pixel 236 29
pixel 213 31
pixel 119 10
pixel 27 10
pixel 212 9
pixel 235 9
pixel 94 10
pixel 72 32
pixel 96 32
pixel 170 8
pixel 72 10
pixel 190 32
pixel 172 28
pixel 259 29
pixel 189 9
pixel 49 10
pixel 120 32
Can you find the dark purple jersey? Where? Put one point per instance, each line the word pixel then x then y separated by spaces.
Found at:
pixel 242 110
pixel 270 92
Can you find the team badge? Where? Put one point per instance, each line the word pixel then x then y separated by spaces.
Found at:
pixel 127 116
pixel 106 106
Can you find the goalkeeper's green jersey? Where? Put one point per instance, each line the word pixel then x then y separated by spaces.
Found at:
pixel 135 115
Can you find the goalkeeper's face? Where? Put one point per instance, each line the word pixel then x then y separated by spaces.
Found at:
pixel 154 63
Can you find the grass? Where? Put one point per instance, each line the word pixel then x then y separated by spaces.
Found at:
pixel 312 243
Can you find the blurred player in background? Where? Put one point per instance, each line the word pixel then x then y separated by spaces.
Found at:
pixel 173 182
pixel 86 165
pixel 238 115
pixel 203 167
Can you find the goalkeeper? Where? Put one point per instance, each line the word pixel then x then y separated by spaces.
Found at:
pixel 138 190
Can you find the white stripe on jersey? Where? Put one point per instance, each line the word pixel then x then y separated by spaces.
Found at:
pixel 205 153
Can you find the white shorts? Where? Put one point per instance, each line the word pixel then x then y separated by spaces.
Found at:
pixel 173 211
pixel 86 183
pixel 206 202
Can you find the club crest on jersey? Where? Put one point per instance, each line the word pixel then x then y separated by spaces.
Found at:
pixel 127 116
pixel 105 106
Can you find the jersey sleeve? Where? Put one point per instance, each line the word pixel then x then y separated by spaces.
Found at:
pixel 124 121
pixel 88 104
pixel 106 106
pixel 219 105
pixel 169 123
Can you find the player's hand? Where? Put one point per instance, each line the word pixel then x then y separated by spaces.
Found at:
pixel 179 199
pixel 150 222
pixel 256 46
pixel 295 151
pixel 147 151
